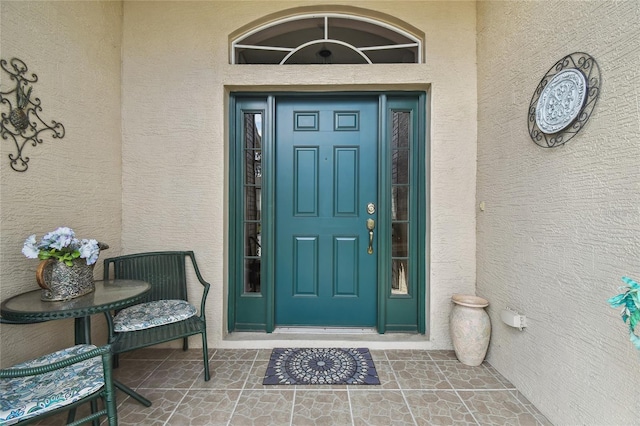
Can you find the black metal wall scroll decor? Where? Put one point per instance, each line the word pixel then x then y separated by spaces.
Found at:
pixel 564 100
pixel 20 121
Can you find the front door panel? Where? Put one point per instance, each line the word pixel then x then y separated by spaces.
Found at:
pixel 326 175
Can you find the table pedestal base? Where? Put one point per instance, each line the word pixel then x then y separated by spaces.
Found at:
pixel 133 394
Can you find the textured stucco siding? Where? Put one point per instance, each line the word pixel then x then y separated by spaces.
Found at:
pixel 561 226
pixel 176 81
pixel 74 49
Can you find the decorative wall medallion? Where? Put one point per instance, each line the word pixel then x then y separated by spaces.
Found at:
pixel 20 121
pixel 564 100
pixel 561 101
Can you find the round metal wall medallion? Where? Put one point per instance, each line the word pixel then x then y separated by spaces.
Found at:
pixel 564 100
pixel 561 101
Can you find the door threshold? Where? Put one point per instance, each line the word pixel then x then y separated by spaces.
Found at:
pixel 283 337
pixel 324 330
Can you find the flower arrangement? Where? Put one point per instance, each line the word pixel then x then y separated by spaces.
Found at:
pixel 630 302
pixel 62 245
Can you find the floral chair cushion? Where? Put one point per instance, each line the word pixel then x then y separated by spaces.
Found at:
pixel 152 314
pixel 25 397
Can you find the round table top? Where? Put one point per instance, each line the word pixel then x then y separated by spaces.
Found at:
pixel 108 295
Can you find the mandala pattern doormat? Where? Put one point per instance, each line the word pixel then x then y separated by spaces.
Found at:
pixel 321 366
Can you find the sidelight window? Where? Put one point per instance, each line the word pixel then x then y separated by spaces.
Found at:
pixel 252 201
pixel 400 190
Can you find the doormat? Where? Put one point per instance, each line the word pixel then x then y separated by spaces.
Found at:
pixel 321 366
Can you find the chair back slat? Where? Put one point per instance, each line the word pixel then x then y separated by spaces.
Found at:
pixel 165 271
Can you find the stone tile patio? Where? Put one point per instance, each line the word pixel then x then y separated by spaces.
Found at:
pixel 417 388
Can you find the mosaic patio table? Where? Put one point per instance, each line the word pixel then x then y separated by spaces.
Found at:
pixel 109 295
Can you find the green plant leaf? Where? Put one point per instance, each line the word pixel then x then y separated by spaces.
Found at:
pixel 44 255
pixel 634 319
pixel 631 283
pixel 616 301
pixel 635 340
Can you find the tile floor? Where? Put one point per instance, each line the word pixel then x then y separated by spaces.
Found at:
pixel 417 388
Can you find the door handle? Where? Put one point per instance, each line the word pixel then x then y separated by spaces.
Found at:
pixel 371 224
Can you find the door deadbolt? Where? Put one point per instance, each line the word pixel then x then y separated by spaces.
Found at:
pixel 371 208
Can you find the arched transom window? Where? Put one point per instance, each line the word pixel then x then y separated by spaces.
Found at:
pixel 328 38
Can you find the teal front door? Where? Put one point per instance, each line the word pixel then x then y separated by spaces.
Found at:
pixel 326 159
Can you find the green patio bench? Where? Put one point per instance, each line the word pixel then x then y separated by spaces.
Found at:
pixel 165 314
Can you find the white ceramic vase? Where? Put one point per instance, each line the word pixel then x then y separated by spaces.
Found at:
pixel 470 328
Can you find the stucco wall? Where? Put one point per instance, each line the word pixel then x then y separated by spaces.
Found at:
pixel 176 79
pixel 562 225
pixel 74 49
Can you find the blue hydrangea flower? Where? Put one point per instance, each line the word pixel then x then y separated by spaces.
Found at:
pixel 89 250
pixel 29 249
pixel 62 245
pixel 58 239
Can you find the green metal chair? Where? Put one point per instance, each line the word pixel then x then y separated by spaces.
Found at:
pixel 165 314
pixel 58 382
